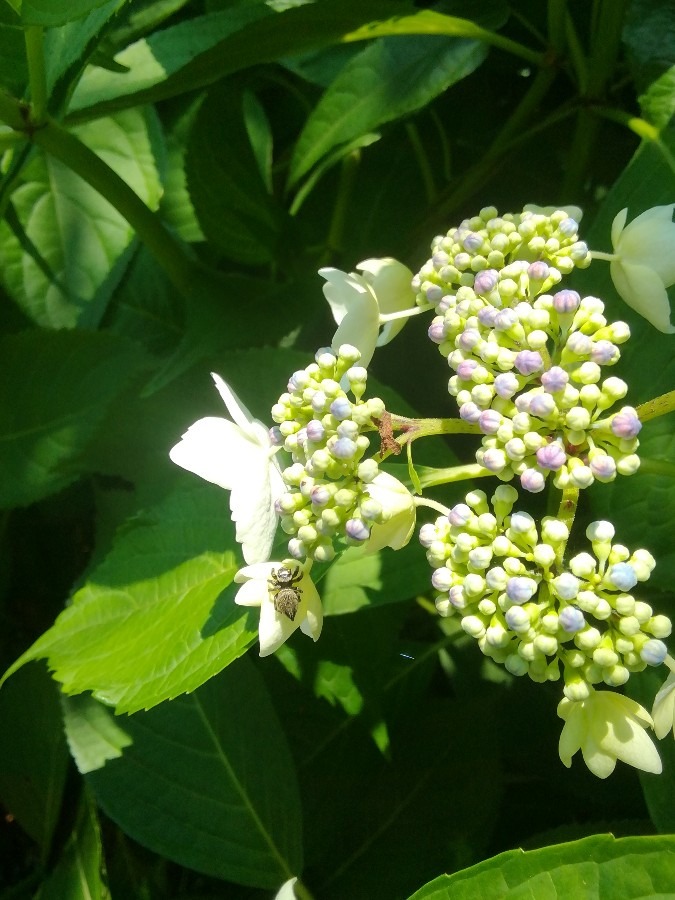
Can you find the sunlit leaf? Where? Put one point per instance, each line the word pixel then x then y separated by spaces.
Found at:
pixel 596 867
pixel 154 620
pixel 55 12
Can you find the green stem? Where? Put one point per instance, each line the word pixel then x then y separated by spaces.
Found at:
pixel 350 165
pixel 405 313
pixel 659 406
pixel 417 428
pixel 422 162
pixel 566 513
pixel 453 474
pixel 431 504
pixel 608 22
pixel 168 252
pixel 579 156
pixel 37 77
pixel 9 139
pixel 638 126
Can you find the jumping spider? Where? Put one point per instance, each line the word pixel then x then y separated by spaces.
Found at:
pixel 286 594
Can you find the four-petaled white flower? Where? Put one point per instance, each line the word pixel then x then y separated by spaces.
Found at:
pixel 643 264
pixel 605 727
pixel 399 508
pixel 237 455
pixel 357 302
pixel 287 599
pixel 663 711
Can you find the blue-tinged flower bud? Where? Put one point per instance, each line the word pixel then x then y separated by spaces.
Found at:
pixel 342 448
pixel 604 353
pixel 602 466
pixel 460 515
pixel 566 586
pixel 579 344
pixel 506 385
pixel 357 530
pixel 625 424
pixel 520 589
pixel 532 481
pixel 551 456
pixel 442 579
pixel 529 361
pixel 542 405
pixel 571 619
pixel 486 281
pixel 437 331
pixel 341 408
pixel 566 301
pixel 622 576
pixel 297 549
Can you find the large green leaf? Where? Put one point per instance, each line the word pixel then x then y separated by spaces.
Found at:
pixel 78 875
pixel 33 754
pixel 599 867
pixel 208 781
pixel 154 620
pixel 234 206
pixel 390 78
pixel 66 251
pixel 13 71
pixel 650 38
pixel 201 51
pixel 55 390
pixel 49 13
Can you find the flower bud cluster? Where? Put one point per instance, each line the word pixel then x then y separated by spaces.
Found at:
pixel 530 377
pixel 502 258
pixel 322 426
pixel 502 573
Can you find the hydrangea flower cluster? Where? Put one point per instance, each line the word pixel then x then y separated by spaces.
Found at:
pixel 503 258
pixel 504 576
pixel 528 373
pixel 333 493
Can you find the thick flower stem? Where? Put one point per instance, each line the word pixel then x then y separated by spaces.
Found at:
pixel 453 474
pixel 417 428
pixel 34 37
pixel 659 406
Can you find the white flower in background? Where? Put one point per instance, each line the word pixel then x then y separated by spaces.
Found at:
pixel 643 264
pixel 357 302
pixel 286 891
pixel 287 599
pixel 398 506
pixel 663 711
pixel 237 455
pixel 605 727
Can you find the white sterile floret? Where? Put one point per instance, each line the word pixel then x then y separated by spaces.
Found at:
pixel 643 264
pixel 607 727
pixel 663 711
pixel 237 455
pixel 358 300
pixel 280 615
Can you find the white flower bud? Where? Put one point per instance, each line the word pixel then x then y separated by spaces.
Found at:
pixel 566 586
pixel 516 665
pixel 583 565
pixel 587 639
pixel 544 555
pixel 473 626
pixel 546 644
pixel 615 676
pixel 659 626
pixel 554 531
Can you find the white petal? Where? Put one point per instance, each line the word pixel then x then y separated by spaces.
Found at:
pixel 252 593
pixel 649 240
pixel 398 501
pixel 618 226
pixel 570 738
pixel 275 628
pixel 664 707
pixel 262 570
pixel 240 415
pixel 355 311
pixel 598 761
pixel 312 623
pixel 642 289
pixel 344 292
pixel 214 449
pixel 390 281
pixel 252 506
pixel 286 891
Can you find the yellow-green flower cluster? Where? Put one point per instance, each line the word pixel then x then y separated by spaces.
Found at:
pixel 321 422
pixel 504 575
pixel 503 258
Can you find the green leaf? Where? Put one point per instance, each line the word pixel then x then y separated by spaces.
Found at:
pixel 78 875
pixel 50 13
pixel 202 51
pixel 154 619
pixel 359 579
pixel 152 60
pixel 61 268
pixel 67 46
pixel 658 101
pixel 55 391
pixel 208 781
pixel 33 754
pixel 389 79
pixel 235 210
pixel 93 733
pixel 13 71
pixel 596 867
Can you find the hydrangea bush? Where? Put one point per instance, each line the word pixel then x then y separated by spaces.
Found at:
pixel 377 609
